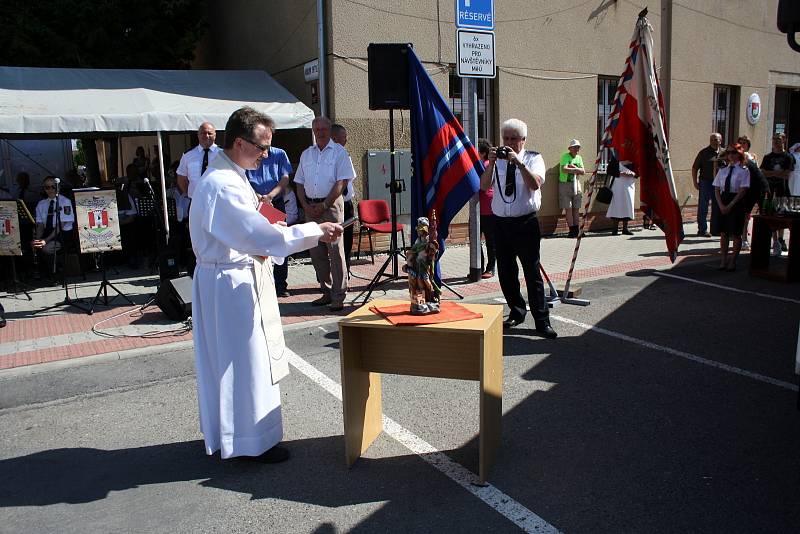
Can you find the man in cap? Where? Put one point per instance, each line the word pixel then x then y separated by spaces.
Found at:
pixel 569 187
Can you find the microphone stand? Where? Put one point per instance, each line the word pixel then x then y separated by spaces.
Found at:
pixel 78 303
pixel 159 227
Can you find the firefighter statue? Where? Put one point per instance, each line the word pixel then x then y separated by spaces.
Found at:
pixel 420 265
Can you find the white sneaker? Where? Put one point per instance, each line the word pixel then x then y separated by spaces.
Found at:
pixel 745 244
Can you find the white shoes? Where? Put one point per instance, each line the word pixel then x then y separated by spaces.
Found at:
pixel 745 244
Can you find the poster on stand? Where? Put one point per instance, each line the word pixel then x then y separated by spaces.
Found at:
pixel 97 220
pixel 10 243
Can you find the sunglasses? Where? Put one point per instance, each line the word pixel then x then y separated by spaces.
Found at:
pixel 262 148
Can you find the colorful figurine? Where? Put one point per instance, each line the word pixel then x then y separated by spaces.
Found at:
pixel 419 266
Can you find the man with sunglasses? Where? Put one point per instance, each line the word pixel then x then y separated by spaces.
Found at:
pixel 517 176
pixel 240 353
pixel 324 170
pixel 50 212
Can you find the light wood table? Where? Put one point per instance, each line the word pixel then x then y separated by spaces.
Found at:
pixel 466 350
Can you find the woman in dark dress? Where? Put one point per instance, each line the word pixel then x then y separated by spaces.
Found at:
pixel 730 188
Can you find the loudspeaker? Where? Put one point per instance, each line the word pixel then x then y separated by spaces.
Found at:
pixel 174 298
pixel 168 264
pixel 388 75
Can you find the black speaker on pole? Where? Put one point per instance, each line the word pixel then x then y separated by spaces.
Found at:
pixel 174 298
pixel 388 75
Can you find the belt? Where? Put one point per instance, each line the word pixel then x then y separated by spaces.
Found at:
pixel 316 200
pixel 225 265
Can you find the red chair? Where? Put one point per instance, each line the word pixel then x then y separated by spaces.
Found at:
pixel 374 217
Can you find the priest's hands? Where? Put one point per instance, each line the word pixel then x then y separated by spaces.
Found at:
pixel 330 231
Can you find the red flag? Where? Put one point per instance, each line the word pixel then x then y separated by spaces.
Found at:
pixel 637 136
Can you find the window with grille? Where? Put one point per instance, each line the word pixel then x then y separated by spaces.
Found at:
pixel 459 103
pixel 723 119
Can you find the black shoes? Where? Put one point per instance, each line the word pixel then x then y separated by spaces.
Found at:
pixel 625 231
pixel 2 321
pixel 546 331
pixel 322 301
pixel 511 323
pixel 275 455
pixel 283 293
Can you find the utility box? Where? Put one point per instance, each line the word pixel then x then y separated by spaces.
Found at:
pixel 379 176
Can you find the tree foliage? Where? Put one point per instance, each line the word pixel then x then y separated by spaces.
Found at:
pixel 154 34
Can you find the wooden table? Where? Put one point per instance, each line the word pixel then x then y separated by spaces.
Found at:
pixel 466 350
pixel 760 245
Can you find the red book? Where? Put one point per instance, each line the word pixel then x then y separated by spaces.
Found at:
pixel 271 213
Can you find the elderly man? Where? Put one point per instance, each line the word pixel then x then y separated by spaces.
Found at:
pixel 195 161
pixel 517 176
pixel 322 175
pixel 704 165
pixel 239 347
pixel 270 181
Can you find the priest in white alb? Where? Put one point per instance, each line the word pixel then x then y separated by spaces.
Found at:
pixel 238 339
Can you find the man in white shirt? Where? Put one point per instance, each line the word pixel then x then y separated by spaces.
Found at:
pixel 515 205
pixel 339 135
pixel 195 161
pixel 50 212
pixel 323 173
pixel 240 353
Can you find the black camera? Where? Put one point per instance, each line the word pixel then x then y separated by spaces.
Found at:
pixel 502 152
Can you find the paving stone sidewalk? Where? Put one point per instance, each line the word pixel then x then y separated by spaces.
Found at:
pixel 39 330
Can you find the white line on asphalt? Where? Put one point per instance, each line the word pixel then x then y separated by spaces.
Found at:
pixel 502 503
pixel 680 353
pixel 727 288
pixel 322 329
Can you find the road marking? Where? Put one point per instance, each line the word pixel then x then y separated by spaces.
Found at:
pixel 322 329
pixel 681 354
pixel 728 288
pixel 499 501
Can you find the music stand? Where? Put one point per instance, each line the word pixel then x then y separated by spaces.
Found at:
pixel 104 285
pixel 17 286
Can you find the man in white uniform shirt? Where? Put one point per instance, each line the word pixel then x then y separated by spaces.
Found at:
pixel 322 175
pixel 515 205
pixel 49 213
pixel 238 340
pixel 195 161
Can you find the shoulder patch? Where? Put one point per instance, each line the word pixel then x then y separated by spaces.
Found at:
pixel 532 152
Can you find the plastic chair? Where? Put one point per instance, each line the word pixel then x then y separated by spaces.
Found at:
pixel 374 217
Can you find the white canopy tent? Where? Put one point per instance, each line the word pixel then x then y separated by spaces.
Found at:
pixel 39 102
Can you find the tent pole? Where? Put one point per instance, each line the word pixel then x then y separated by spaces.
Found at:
pixel 163 188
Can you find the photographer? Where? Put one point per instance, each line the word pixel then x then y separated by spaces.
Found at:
pixel 517 175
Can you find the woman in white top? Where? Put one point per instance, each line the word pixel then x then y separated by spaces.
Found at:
pixel 730 187
pixel 621 206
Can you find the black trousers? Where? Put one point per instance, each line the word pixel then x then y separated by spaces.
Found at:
pixel 487 229
pixel 520 237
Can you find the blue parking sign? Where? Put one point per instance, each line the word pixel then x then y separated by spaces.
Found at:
pixel 478 14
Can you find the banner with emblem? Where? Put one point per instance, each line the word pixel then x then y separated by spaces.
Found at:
pixel 97 220
pixel 10 243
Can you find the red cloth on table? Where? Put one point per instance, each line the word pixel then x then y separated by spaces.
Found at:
pixel 400 314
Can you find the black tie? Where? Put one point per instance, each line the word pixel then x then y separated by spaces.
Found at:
pixel 728 181
pixel 205 160
pixel 49 226
pixel 511 179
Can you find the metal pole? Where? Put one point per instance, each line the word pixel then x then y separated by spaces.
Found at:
pixel 163 188
pixel 323 93
pixel 474 203
pixel 392 197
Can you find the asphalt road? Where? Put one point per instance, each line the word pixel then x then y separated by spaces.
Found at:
pixel 665 406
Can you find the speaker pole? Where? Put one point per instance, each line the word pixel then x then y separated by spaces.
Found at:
pixel 392 195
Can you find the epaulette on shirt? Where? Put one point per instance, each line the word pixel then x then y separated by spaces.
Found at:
pixel 189 150
pixel 532 152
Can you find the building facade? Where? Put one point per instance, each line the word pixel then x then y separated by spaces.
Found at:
pixel 557 68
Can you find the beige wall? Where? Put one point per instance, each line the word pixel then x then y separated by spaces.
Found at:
pixel 549 54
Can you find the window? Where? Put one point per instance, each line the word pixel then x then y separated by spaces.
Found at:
pixel 606 89
pixel 723 118
pixel 459 103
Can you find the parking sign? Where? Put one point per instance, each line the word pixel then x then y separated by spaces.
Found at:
pixel 477 14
